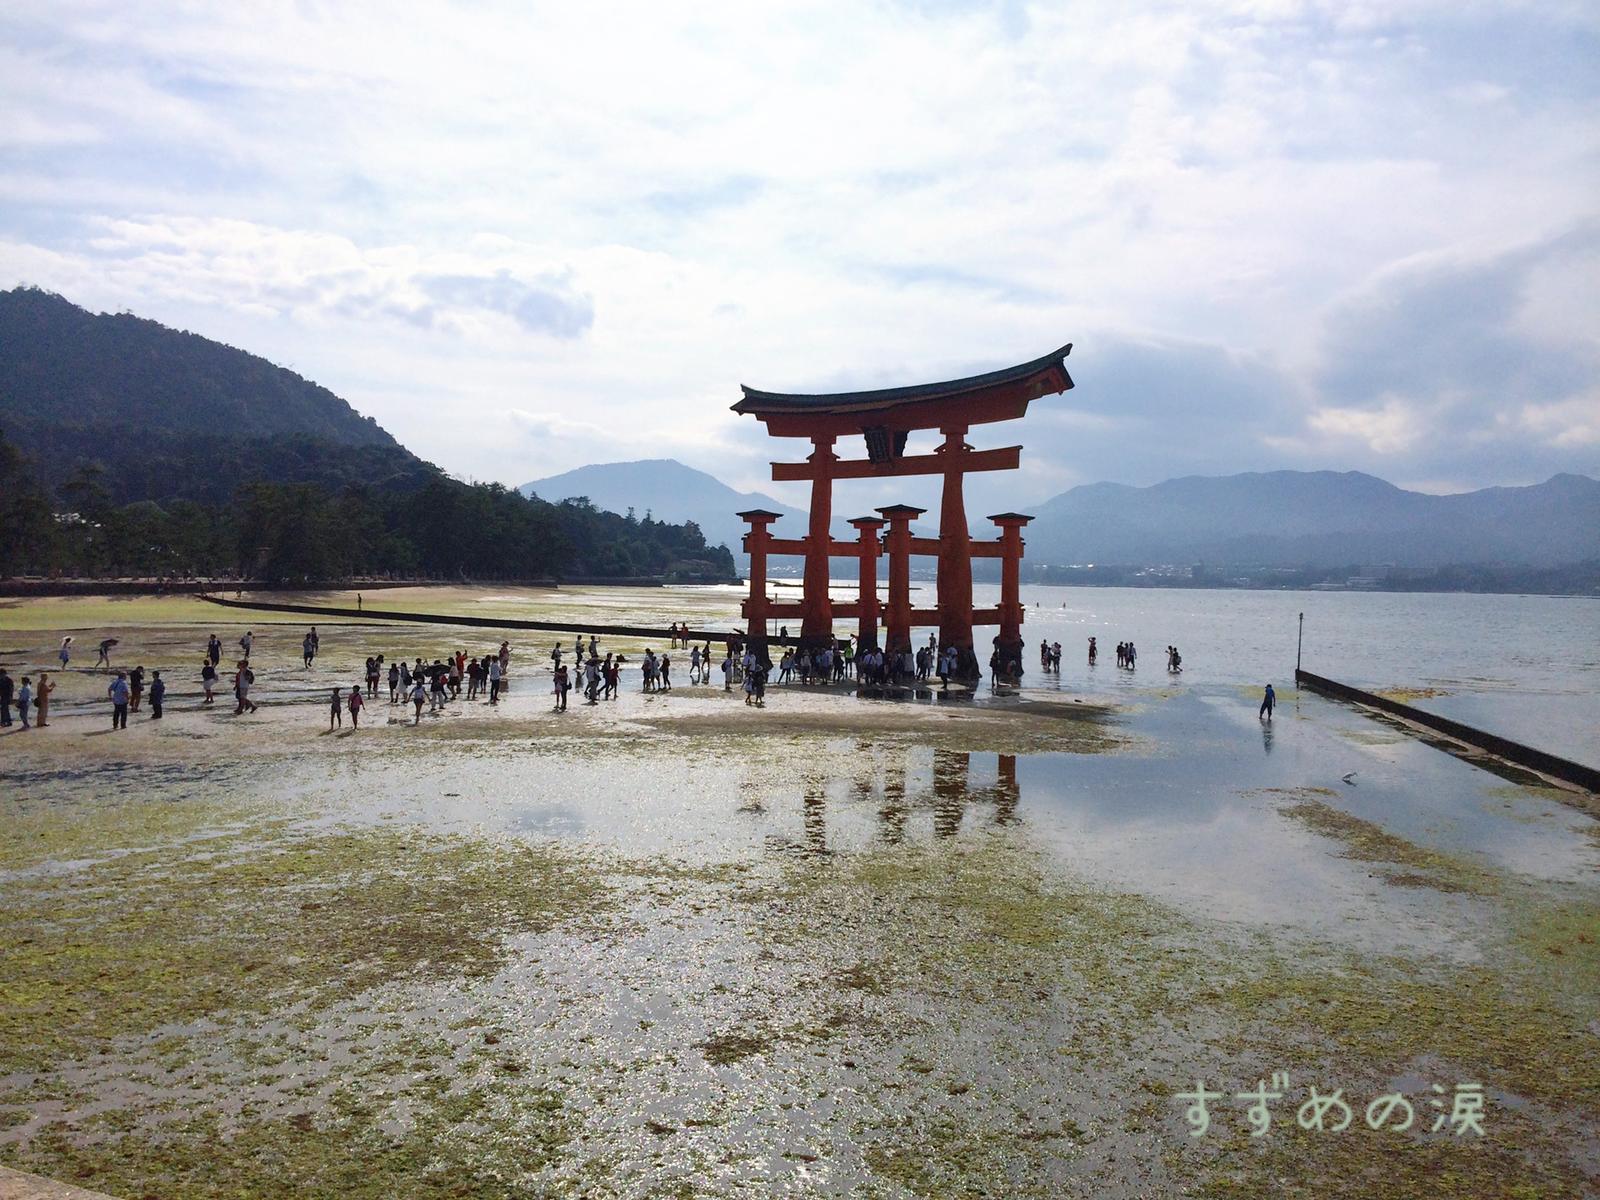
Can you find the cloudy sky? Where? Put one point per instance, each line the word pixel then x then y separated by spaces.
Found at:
pixel 531 236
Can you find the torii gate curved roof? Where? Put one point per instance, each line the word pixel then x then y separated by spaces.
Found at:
pixel 995 396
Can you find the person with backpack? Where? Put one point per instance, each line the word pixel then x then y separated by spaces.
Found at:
pixel 242 679
pixel 208 679
pixel 41 701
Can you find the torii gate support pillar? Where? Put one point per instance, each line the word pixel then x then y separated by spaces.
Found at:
pixel 1008 642
pixel 898 542
pixel 867 586
pixel 757 541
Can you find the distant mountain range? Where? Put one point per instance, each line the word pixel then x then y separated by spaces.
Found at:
pixel 668 491
pixel 164 415
pixel 1317 519
pixel 1279 518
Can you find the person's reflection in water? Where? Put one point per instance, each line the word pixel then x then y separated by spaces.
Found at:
pixel 1266 737
pixel 894 811
pixel 752 799
pixel 949 791
pixel 816 819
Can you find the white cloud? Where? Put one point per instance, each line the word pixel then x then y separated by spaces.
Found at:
pixel 1391 428
pixel 612 217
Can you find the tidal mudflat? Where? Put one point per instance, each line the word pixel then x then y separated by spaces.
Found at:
pixel 676 946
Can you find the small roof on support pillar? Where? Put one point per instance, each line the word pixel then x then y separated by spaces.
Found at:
pixel 994 396
pixel 1012 517
pixel 902 510
pixel 750 514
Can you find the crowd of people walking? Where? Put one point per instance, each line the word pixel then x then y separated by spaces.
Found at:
pixel 434 686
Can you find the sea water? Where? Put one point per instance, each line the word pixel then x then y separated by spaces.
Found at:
pixel 1524 667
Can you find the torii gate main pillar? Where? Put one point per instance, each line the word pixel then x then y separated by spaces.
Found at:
pixel 955 555
pixel 816 621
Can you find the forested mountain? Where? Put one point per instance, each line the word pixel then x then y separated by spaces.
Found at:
pixel 143 450
pixel 165 415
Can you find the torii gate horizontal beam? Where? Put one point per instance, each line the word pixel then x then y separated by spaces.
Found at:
pixel 919 545
pixel 1007 458
pixel 787 610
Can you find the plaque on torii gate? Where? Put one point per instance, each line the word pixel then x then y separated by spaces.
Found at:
pixel 884 419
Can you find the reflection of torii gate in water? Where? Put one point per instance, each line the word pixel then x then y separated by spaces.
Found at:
pixel 948 799
pixel 885 419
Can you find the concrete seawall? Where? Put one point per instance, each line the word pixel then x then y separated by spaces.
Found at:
pixel 1552 765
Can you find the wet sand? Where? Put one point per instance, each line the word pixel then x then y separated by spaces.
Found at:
pixel 672 945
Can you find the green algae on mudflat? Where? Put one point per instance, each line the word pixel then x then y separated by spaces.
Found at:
pixel 973 923
pixel 67 837
pixel 952 912
pixel 1409 695
pixel 176 934
pixel 473 1143
pixel 901 959
pixel 1368 842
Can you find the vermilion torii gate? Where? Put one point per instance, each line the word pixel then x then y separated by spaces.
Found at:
pixel 885 419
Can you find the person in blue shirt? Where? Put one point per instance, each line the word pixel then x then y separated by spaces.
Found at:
pixel 158 693
pixel 1268 699
pixel 118 691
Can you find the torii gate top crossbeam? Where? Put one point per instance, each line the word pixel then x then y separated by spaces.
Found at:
pixel 978 399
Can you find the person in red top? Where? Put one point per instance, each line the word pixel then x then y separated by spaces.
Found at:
pixel 355 707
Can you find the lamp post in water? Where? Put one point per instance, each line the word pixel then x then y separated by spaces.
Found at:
pixel 1299 640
